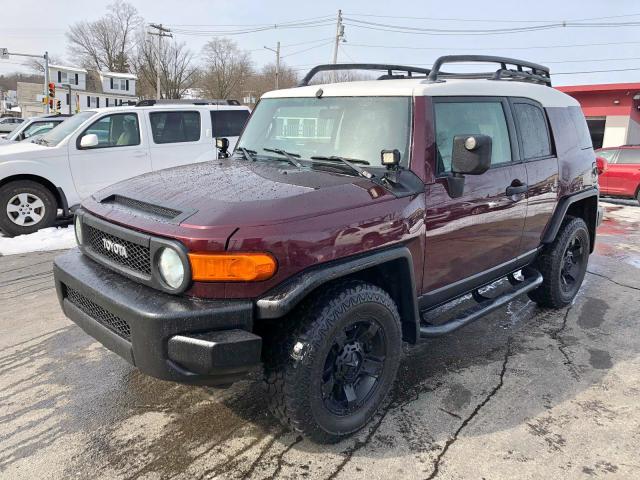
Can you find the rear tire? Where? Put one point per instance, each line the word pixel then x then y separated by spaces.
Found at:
pixel 563 265
pixel 26 207
pixel 328 376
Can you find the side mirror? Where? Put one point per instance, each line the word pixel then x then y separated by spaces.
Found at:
pixel 601 165
pixel 471 156
pixel 222 144
pixel 89 140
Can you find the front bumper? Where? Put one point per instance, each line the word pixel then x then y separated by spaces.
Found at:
pixel 204 342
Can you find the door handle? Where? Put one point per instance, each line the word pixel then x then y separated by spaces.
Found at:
pixel 517 188
pixel 140 154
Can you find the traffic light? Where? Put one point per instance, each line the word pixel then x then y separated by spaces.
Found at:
pixel 52 90
pixel 51 103
pixel 58 105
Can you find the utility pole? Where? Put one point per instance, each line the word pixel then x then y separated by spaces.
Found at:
pixel 46 78
pixel 339 37
pixel 277 52
pixel 161 32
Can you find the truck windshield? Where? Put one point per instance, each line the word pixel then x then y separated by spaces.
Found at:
pixel 357 128
pixel 66 128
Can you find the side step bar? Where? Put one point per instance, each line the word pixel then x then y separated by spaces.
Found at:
pixel 484 307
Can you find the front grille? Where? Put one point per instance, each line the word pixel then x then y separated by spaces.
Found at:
pixel 99 314
pixel 138 257
pixel 158 210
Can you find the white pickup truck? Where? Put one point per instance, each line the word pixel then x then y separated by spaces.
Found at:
pixel 95 148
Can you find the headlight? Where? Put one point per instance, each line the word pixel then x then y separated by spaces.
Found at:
pixel 170 267
pixel 78 228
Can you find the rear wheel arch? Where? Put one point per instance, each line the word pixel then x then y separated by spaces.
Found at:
pixel 583 205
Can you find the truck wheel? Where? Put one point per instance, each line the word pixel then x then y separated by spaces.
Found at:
pixel 26 207
pixel 638 195
pixel 563 265
pixel 328 376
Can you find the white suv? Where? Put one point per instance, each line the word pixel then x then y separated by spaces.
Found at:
pixel 96 148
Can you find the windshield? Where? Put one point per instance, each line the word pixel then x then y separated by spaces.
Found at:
pixel 66 128
pixel 356 128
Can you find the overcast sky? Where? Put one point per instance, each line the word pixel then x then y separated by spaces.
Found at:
pixel 32 26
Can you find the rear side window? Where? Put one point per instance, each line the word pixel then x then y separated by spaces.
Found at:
pixel 582 129
pixel 608 155
pixel 469 118
pixel 534 134
pixel 175 127
pixel 228 123
pixel 629 156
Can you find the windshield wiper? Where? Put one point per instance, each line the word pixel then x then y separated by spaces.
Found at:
pixel 290 156
pixel 248 153
pixel 349 163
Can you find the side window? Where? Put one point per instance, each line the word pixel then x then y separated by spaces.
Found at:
pixel 228 123
pixel 175 127
pixel 629 156
pixel 608 155
pixel 38 127
pixel 468 118
pixel 118 130
pixel 534 134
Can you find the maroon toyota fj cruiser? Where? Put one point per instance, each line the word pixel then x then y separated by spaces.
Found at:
pixel 345 213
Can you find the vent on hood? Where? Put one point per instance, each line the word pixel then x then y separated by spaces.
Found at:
pixel 139 205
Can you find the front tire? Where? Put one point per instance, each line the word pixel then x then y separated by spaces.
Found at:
pixel 328 377
pixel 26 207
pixel 563 265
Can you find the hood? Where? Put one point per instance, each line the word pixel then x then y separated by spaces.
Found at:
pixel 235 193
pixel 25 150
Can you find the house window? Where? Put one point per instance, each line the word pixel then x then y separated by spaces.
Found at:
pixel 76 78
pixel 88 101
pixel 127 84
pixel 106 102
pixel 98 102
pixel 111 83
pixel 68 99
pixel 59 76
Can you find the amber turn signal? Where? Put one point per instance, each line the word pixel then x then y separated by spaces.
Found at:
pixel 231 267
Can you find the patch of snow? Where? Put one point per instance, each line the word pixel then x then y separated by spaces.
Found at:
pixel 54 238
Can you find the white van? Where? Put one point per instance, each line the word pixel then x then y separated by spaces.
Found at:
pixel 96 148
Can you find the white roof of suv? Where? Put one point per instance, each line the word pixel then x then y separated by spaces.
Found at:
pixel 549 97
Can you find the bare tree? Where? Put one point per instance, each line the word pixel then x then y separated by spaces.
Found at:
pixel 107 43
pixel 36 65
pixel 177 69
pixel 264 80
pixel 226 67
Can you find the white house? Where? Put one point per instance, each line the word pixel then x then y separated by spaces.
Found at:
pixel 91 89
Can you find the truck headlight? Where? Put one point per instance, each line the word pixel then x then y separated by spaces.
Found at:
pixel 171 267
pixel 78 228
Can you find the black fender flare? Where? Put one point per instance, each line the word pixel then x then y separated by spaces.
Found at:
pixel 561 211
pixel 283 298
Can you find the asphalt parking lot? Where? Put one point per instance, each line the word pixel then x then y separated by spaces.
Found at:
pixel 524 393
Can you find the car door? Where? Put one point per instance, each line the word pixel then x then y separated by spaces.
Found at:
pixel 541 163
pixel 623 177
pixel 469 237
pixel 178 137
pixel 121 153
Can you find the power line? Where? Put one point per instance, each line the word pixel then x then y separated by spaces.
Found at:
pixel 411 47
pixel 307 49
pixel 477 20
pixel 598 71
pixel 325 17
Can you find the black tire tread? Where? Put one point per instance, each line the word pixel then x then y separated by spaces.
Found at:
pixel 315 315
pixel 549 260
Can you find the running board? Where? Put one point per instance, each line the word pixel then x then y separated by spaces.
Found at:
pixel 483 308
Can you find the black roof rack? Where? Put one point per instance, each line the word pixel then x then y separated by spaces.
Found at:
pixel 524 71
pixel 186 101
pixel 365 66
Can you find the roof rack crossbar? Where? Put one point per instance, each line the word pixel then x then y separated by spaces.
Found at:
pixel 536 73
pixel 185 101
pixel 364 66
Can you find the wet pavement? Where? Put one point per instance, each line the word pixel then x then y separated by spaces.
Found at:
pixel 526 393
